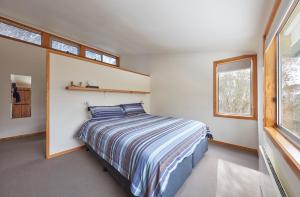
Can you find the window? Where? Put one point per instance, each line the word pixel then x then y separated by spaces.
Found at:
pixel 64 46
pixel 93 55
pixel 235 87
pixel 109 60
pixel 288 102
pixel 20 33
pixel 99 56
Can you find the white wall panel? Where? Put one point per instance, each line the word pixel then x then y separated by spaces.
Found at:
pixel 67 108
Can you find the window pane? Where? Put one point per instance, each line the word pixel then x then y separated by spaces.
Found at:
pixel 93 55
pixel 235 92
pixel 109 60
pixel 289 75
pixel 21 34
pixel 64 47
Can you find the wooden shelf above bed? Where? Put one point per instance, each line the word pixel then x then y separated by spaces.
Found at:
pixel 75 88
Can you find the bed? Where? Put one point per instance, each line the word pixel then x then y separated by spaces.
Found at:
pixel 148 155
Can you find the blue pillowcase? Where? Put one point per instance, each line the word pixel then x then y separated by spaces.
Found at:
pixel 106 112
pixel 133 109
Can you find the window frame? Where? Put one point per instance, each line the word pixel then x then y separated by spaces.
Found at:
pixel 64 41
pixel 23 27
pixel 288 150
pixel 253 115
pixel 111 56
pixel 93 51
pixel 284 131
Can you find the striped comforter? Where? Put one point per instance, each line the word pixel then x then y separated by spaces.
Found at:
pixel 144 148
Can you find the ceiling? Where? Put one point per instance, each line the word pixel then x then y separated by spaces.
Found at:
pixel 142 27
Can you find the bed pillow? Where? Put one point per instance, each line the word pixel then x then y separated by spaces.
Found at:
pixel 133 109
pixel 106 112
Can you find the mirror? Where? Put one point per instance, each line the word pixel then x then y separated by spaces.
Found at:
pixel 20 96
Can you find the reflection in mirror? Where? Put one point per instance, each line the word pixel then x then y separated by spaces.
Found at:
pixel 20 96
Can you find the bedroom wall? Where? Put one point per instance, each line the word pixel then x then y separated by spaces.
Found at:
pixel 68 111
pixel 182 86
pixel 22 59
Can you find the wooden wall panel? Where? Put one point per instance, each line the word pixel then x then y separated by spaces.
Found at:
pixel 270 87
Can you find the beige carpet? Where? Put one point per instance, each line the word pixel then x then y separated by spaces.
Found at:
pixel 25 173
pixel 235 180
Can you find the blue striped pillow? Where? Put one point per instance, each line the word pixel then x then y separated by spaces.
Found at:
pixel 133 108
pixel 106 112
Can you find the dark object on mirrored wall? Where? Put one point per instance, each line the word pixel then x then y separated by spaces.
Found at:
pixel 16 94
pixel 89 86
pixel 20 96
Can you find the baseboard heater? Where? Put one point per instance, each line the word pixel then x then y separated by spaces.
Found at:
pixel 270 184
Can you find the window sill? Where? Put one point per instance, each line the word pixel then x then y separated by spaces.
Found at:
pixel 288 150
pixel 235 116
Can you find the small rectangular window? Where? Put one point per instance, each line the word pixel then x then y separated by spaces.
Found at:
pixel 234 88
pixel 289 78
pixel 64 46
pixel 20 33
pixel 109 60
pixel 93 55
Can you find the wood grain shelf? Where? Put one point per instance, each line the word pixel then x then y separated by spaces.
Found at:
pixel 74 88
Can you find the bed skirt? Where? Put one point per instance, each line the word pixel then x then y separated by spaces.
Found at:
pixel 177 177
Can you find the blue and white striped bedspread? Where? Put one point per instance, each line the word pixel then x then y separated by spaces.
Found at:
pixel 144 148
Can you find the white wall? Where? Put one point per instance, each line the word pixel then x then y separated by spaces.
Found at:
pixel 182 86
pixel 22 59
pixel 67 108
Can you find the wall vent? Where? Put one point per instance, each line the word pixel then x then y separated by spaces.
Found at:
pixel 272 173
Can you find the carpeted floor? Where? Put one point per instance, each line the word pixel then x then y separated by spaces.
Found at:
pixel 24 172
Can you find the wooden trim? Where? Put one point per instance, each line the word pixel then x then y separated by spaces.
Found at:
pixel 47 104
pixel 22 136
pixel 271 18
pixel 234 59
pixel 235 116
pixel 289 151
pixel 74 88
pixel 65 152
pixel 253 116
pixel 46 38
pixel 82 51
pixel 254 87
pixel 234 146
pixel 118 61
pixel 93 61
pixel 270 86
